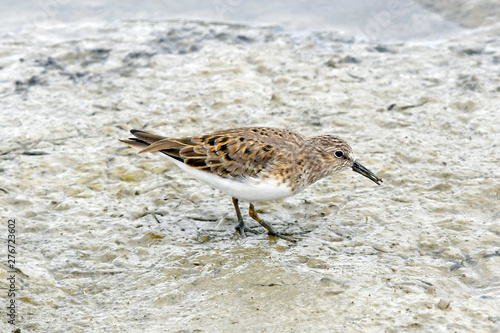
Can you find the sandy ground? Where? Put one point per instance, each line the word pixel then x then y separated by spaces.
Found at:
pixel 111 241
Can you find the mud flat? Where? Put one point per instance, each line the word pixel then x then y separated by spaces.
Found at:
pixel 114 241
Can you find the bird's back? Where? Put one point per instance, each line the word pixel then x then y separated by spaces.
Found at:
pixel 239 152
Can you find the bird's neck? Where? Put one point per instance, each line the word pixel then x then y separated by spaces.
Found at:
pixel 318 165
pixel 312 165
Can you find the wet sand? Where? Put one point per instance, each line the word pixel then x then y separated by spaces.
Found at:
pixel 112 241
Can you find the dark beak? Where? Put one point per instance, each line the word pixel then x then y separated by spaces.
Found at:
pixel 365 172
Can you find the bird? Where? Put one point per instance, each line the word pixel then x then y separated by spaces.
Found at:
pixel 255 163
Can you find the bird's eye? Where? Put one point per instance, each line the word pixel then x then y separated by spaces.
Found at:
pixel 339 154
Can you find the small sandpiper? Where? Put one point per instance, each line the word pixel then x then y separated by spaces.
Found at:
pixel 255 163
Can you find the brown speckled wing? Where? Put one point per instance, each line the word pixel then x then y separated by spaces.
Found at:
pixel 232 153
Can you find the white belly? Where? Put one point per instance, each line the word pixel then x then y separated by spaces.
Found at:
pixel 249 189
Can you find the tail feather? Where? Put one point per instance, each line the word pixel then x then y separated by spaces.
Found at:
pixel 135 143
pixel 142 139
pixel 148 142
pixel 146 137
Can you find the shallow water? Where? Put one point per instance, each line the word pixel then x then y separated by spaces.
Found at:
pixel 114 241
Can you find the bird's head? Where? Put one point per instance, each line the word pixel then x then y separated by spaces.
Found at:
pixel 340 154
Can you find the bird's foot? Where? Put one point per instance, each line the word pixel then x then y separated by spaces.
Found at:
pixel 282 236
pixel 242 229
pixel 289 236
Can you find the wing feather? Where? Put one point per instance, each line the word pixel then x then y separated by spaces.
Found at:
pixel 241 152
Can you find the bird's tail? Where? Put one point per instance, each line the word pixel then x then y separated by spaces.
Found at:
pixel 142 139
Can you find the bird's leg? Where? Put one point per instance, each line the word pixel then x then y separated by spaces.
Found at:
pixel 271 231
pixel 241 223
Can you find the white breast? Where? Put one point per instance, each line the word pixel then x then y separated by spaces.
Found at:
pixel 249 189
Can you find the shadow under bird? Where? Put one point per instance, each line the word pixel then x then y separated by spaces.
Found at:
pixel 255 163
